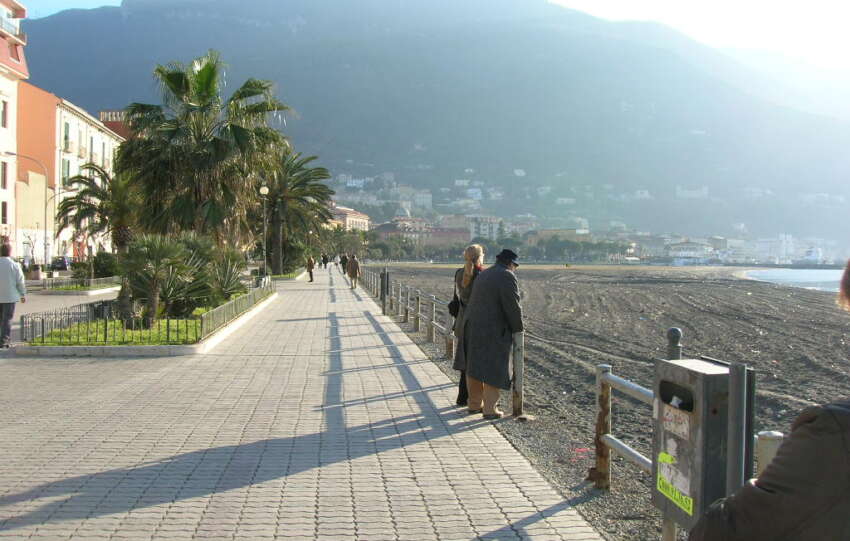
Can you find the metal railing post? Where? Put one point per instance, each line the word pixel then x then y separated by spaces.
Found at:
pixel 736 444
pixel 767 445
pixel 519 373
pixel 417 312
pixel 669 529
pixel 430 334
pixel 398 310
pixel 601 473
pixel 674 344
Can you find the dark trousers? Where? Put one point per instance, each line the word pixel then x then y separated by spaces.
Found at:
pixel 7 312
pixel 310 272
pixel 462 390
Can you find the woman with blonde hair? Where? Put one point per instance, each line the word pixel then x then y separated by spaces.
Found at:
pixel 473 257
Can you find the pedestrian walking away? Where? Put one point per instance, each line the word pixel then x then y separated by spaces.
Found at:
pixel 463 280
pixel 12 289
pixel 353 270
pixel 324 261
pixel 343 262
pixel 804 493
pixel 336 261
pixel 492 317
pixel 311 264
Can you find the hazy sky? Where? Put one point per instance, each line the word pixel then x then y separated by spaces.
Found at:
pixel 813 31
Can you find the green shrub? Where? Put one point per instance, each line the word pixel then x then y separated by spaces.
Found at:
pixel 106 265
pixel 80 270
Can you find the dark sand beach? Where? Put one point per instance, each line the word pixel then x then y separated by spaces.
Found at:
pixel 579 317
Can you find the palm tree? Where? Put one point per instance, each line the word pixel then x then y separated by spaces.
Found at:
pixel 150 262
pixel 102 204
pixel 298 203
pixel 196 155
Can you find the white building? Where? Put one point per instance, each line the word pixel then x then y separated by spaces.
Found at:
pixel 484 226
pixel 13 68
pixel 81 139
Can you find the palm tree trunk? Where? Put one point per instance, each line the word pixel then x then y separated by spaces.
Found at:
pixel 153 303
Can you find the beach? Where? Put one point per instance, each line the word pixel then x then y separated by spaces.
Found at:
pixel 578 317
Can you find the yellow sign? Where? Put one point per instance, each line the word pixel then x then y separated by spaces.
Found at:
pixel 684 502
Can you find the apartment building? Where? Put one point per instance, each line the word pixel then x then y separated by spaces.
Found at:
pixel 56 138
pixel 80 139
pixel 13 68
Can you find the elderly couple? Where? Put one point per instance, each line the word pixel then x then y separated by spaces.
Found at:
pixel 489 314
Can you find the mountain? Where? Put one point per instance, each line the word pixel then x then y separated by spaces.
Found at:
pixel 429 88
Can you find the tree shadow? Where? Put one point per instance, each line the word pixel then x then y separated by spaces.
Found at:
pixel 220 469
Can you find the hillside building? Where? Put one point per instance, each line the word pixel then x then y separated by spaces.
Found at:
pixel 487 227
pixel 350 219
pixel 13 69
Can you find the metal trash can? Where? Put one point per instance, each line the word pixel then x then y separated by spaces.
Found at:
pixel 690 417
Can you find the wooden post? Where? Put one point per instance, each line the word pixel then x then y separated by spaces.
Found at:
pixel 519 375
pixel 407 304
pixel 398 310
pixel 417 313
pixel 601 473
pixel 429 333
pixel 767 445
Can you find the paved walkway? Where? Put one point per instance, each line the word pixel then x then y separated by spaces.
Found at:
pixel 318 420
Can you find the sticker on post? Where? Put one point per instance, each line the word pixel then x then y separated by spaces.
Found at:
pixel 664 486
pixel 676 421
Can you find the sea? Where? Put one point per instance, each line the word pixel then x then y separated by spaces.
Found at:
pixel 820 280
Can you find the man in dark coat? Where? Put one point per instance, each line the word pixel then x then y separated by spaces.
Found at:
pixel 493 316
pixel 803 495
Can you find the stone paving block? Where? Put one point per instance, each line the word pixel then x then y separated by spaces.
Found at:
pixel 318 420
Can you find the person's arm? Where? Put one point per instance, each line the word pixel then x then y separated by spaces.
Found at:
pixel 807 476
pixel 509 296
pixel 20 283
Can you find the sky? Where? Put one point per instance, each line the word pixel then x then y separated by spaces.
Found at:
pixel 812 31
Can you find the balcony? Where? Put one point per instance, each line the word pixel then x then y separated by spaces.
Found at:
pixel 69 147
pixel 12 30
pixel 83 152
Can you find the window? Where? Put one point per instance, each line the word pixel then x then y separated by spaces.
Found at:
pixel 4 114
pixel 4 171
pixel 4 213
pixel 103 154
pixel 91 149
pixel 66 171
pixel 15 52
pixel 66 136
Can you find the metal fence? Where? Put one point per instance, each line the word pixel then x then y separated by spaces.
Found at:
pixel 100 323
pixel 219 317
pixel 83 283
pixel 430 314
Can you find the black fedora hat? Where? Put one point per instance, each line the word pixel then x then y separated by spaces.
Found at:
pixel 508 256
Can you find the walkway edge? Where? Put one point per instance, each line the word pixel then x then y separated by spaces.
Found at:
pixel 146 351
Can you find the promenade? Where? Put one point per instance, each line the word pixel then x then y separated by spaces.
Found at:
pixel 319 419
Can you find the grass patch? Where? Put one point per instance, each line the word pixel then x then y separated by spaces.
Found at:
pixel 113 333
pixel 289 276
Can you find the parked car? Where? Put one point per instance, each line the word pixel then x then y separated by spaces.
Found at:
pixel 61 263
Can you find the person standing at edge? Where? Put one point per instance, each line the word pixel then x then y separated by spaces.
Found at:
pixel 804 493
pixel 464 278
pixel 353 270
pixel 493 315
pixel 12 289
pixel 311 264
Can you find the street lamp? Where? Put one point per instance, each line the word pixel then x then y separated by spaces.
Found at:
pixel 46 199
pixel 264 191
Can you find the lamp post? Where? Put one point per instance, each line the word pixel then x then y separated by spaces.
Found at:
pixel 264 191
pixel 46 199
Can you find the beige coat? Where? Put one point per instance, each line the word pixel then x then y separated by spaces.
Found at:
pixel 352 269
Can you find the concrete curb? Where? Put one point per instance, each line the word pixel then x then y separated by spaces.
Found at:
pixel 145 351
pixel 81 293
pixel 296 279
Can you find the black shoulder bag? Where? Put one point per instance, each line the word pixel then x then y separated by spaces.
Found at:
pixel 454 306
